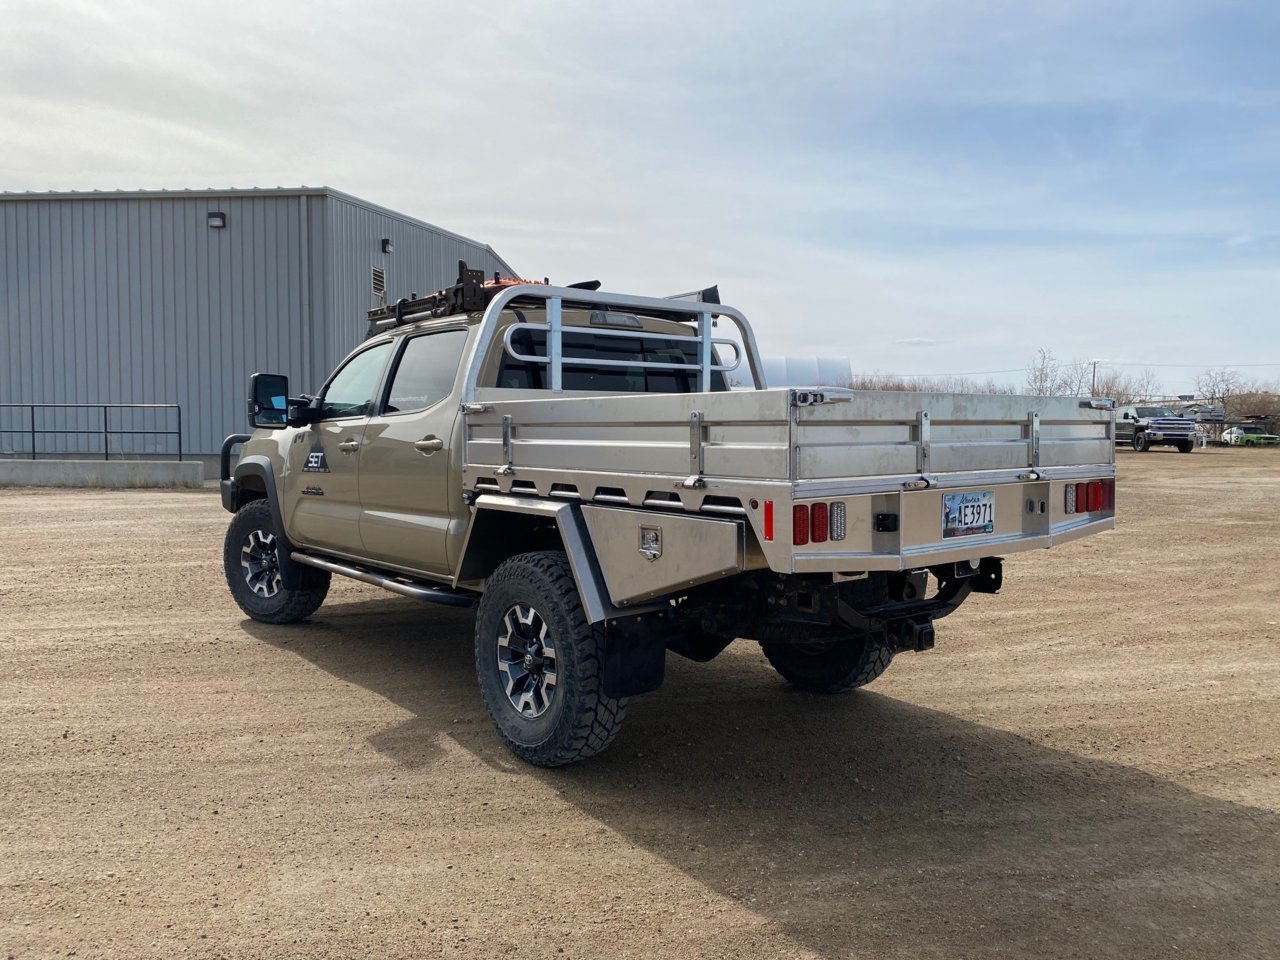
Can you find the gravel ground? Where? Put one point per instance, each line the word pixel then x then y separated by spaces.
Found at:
pixel 1087 765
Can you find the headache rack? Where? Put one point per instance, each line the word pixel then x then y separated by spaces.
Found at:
pixel 472 293
pixel 607 320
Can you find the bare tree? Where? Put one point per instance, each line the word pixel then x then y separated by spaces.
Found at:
pixel 1125 388
pixel 1042 373
pixel 1074 379
pixel 939 384
pixel 1049 377
pixel 1253 401
pixel 1219 385
pixel 1146 386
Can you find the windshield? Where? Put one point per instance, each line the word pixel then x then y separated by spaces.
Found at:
pixel 1155 412
pixel 1250 429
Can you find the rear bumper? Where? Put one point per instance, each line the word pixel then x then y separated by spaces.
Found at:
pixel 912 558
pixel 1028 515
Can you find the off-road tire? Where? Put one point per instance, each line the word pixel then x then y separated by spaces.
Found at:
pixel 829 667
pixel 1140 442
pixel 284 605
pixel 579 720
pixel 1186 446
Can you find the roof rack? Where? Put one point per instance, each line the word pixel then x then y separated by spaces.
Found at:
pixel 470 293
pixel 709 294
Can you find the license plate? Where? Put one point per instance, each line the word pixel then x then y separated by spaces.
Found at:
pixel 968 514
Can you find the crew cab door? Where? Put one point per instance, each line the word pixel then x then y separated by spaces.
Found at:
pixel 1124 424
pixel 321 487
pixel 411 504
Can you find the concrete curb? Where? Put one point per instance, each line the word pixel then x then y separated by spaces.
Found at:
pixel 100 473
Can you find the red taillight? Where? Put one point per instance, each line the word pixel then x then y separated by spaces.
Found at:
pixel 1090 497
pixel 768 519
pixel 819 523
pixel 800 524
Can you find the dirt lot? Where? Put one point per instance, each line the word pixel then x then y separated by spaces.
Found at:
pixel 1087 765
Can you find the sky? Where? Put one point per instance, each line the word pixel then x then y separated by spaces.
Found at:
pixel 924 187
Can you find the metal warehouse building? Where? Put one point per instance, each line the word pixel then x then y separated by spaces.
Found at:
pixel 177 296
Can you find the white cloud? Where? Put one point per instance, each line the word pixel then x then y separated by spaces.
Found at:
pixel 664 146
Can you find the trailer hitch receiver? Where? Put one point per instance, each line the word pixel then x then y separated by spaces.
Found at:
pixel 912 634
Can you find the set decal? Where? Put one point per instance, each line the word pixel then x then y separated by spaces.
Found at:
pixel 316 461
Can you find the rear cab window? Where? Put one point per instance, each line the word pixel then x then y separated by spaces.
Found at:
pixel 605 360
pixel 426 371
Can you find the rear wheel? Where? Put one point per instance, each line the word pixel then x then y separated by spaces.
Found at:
pixel 251 563
pixel 538 663
pixel 1140 442
pixel 1186 446
pixel 829 667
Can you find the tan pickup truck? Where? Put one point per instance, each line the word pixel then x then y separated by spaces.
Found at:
pixel 586 469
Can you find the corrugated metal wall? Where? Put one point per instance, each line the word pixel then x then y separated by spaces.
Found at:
pixel 138 300
pixel 422 260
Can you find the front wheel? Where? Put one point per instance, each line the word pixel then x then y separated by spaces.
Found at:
pixel 251 562
pixel 1186 446
pixel 538 663
pixel 829 667
pixel 1141 443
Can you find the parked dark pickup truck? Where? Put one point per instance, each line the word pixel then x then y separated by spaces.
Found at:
pixel 1145 427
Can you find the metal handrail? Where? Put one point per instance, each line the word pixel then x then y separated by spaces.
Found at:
pixel 568 360
pixel 555 297
pixel 105 432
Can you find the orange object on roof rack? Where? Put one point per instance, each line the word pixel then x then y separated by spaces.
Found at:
pixel 470 293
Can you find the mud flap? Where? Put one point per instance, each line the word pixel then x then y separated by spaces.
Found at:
pixel 634 657
pixel 990 576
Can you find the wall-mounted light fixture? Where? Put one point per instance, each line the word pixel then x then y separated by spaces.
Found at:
pixel 387 246
pixel 217 220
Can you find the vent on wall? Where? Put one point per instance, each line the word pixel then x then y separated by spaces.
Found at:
pixel 379 287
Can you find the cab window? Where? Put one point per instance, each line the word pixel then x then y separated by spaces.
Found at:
pixel 426 371
pixel 350 391
pixel 615 377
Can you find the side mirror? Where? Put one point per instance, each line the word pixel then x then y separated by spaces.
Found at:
pixel 268 400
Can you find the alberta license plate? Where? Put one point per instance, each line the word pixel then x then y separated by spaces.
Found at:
pixel 968 514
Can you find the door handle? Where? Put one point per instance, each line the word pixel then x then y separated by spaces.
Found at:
pixel 429 445
pixel 349 446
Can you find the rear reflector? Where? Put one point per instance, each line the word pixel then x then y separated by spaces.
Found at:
pixel 768 519
pixel 837 520
pixel 800 524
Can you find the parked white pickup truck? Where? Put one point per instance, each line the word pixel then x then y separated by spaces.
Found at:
pixel 576 462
